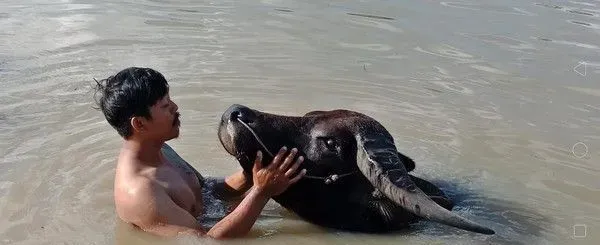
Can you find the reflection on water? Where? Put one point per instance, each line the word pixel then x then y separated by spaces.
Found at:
pixel 482 94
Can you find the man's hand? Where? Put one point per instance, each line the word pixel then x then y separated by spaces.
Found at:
pixel 269 181
pixel 279 175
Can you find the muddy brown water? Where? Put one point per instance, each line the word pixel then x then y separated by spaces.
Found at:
pixel 497 101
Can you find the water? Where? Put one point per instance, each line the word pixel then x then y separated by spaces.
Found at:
pixel 483 94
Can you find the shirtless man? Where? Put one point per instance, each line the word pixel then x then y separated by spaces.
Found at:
pixel 162 195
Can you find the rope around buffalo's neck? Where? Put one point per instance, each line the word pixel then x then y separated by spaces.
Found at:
pixel 328 180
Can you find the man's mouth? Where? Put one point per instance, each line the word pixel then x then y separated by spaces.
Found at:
pixel 176 122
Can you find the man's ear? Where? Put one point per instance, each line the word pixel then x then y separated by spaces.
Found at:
pixel 138 124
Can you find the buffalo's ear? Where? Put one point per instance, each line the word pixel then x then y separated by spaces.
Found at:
pixel 408 163
pixel 313 113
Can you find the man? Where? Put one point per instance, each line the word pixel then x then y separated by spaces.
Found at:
pixel 158 192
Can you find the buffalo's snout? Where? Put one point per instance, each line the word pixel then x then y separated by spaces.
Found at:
pixel 235 112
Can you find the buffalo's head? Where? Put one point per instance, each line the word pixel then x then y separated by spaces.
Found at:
pixel 335 143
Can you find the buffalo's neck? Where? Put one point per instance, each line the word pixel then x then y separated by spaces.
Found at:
pixel 334 206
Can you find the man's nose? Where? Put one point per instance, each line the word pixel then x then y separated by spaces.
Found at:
pixel 236 111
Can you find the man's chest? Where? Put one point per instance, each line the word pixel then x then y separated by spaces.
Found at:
pixel 182 187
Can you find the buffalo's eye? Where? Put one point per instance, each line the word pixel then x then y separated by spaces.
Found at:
pixel 330 143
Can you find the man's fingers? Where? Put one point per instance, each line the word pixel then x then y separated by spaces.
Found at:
pixel 298 177
pixel 295 167
pixel 288 160
pixel 277 159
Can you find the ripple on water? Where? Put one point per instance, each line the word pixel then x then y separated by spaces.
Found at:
pixel 587 91
pixel 382 25
pixel 386 93
pixel 431 110
pixel 454 86
pixel 367 46
pixel 585 24
pixel 490 114
pixel 502 41
pixel 570 43
pixel 546 5
pixel 179 24
pixel 582 12
pixel 558 156
pixel 579 11
pixel 583 3
pixel 448 51
pixel 25 150
pixel 582 193
pixel 482 7
pixel 50 76
pixel 371 16
pixel 71 30
pixel 279 24
pixel 488 69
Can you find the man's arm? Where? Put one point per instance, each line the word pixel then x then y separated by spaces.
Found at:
pixel 153 210
pixel 269 181
pixel 239 222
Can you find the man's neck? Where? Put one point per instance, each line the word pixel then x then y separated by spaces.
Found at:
pixel 148 152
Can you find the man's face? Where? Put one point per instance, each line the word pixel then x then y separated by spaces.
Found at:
pixel 164 124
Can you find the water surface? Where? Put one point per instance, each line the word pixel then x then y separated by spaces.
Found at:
pixel 483 94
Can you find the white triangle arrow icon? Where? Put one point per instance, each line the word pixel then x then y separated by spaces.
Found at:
pixel 581 68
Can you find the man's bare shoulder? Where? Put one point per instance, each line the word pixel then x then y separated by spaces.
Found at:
pixel 136 198
pixel 136 192
pixel 137 186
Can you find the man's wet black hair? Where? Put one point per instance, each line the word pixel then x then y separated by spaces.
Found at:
pixel 129 93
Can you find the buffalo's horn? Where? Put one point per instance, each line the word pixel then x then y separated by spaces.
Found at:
pixel 378 160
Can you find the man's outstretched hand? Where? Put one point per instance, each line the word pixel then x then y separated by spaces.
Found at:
pixel 279 175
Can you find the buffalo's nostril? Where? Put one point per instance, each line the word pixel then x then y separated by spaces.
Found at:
pixel 240 112
pixel 239 115
pixel 235 115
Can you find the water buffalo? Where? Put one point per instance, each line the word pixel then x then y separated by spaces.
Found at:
pixel 356 179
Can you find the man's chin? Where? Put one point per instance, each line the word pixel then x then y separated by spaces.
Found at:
pixel 175 135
